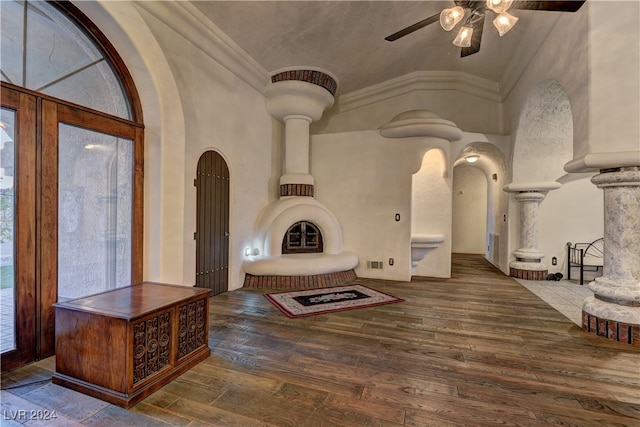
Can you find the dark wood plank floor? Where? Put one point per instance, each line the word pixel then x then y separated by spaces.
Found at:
pixel 477 349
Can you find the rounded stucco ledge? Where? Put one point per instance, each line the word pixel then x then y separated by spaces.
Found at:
pixel 595 162
pixel 532 187
pixel 420 123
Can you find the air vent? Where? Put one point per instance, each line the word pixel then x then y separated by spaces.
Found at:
pixel 376 265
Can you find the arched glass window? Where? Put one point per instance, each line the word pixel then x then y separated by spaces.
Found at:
pixel 44 51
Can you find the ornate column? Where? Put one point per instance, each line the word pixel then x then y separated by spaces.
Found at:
pixel 614 310
pixel 528 263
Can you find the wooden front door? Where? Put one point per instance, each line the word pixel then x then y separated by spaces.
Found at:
pixel 212 232
pixel 36 219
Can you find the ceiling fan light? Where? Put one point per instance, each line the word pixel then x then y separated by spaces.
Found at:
pixel 499 6
pixel 504 22
pixel 463 39
pixel 450 17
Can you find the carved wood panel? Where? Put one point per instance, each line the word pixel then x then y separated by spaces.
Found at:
pixel 151 346
pixel 192 331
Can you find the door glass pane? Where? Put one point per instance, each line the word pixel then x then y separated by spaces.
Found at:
pixel 7 221
pixel 95 176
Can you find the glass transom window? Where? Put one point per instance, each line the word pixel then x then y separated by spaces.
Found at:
pixel 42 50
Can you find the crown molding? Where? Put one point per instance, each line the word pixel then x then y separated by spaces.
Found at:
pixel 190 23
pixel 420 80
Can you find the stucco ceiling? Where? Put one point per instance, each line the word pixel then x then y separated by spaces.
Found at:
pixel 346 38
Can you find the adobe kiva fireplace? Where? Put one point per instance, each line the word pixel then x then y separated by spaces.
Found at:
pixel 298 241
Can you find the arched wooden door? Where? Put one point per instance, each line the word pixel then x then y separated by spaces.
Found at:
pixel 212 230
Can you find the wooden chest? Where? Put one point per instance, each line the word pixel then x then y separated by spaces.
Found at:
pixel 122 345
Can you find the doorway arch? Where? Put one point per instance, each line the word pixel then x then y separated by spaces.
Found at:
pixel 490 167
pixel 469 207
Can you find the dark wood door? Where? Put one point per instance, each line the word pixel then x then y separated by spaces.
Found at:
pixel 212 232
pixel 18 229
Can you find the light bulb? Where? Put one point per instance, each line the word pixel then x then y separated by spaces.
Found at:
pixel 450 17
pixel 504 22
pixel 472 158
pixel 499 6
pixel 463 39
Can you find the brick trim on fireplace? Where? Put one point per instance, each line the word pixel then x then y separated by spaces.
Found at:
pixel 309 76
pixel 296 190
pixel 300 282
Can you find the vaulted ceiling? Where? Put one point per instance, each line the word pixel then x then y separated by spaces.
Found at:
pixel 346 38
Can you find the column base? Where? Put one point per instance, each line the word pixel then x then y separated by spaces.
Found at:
pixel 611 321
pixel 528 274
pixel 528 270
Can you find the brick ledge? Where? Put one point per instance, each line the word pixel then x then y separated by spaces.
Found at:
pixel 616 331
pixel 300 282
pixel 528 274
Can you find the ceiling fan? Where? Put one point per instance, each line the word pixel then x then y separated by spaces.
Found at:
pixel 473 12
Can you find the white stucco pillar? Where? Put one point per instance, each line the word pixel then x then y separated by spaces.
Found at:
pixel 528 263
pixel 298 97
pixel 296 153
pixel 614 310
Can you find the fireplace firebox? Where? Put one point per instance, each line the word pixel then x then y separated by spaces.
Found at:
pixel 302 238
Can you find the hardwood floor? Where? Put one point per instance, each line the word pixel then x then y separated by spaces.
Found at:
pixel 478 349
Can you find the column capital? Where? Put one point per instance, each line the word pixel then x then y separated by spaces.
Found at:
pixel 619 177
pixel 529 196
pixel 532 187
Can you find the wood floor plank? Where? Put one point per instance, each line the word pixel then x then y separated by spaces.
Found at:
pixel 477 349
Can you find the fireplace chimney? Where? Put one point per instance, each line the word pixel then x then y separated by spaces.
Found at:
pixel 298 98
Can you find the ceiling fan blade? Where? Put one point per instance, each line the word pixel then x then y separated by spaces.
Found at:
pixel 476 39
pixel 553 6
pixel 410 29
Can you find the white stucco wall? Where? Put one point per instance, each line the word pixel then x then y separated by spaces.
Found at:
pixel 573 213
pixel 365 180
pixel 224 114
pixel 469 222
pixel 598 65
pixel 431 211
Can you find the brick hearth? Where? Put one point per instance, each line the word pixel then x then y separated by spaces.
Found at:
pixel 300 282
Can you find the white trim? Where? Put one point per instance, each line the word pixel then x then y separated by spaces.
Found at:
pixel 420 80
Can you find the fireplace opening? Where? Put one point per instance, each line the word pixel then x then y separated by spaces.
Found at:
pixel 302 238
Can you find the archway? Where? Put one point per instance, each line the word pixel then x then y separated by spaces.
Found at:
pixel 469 208
pixel 480 172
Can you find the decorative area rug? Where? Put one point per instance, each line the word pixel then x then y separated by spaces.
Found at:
pixel 328 300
